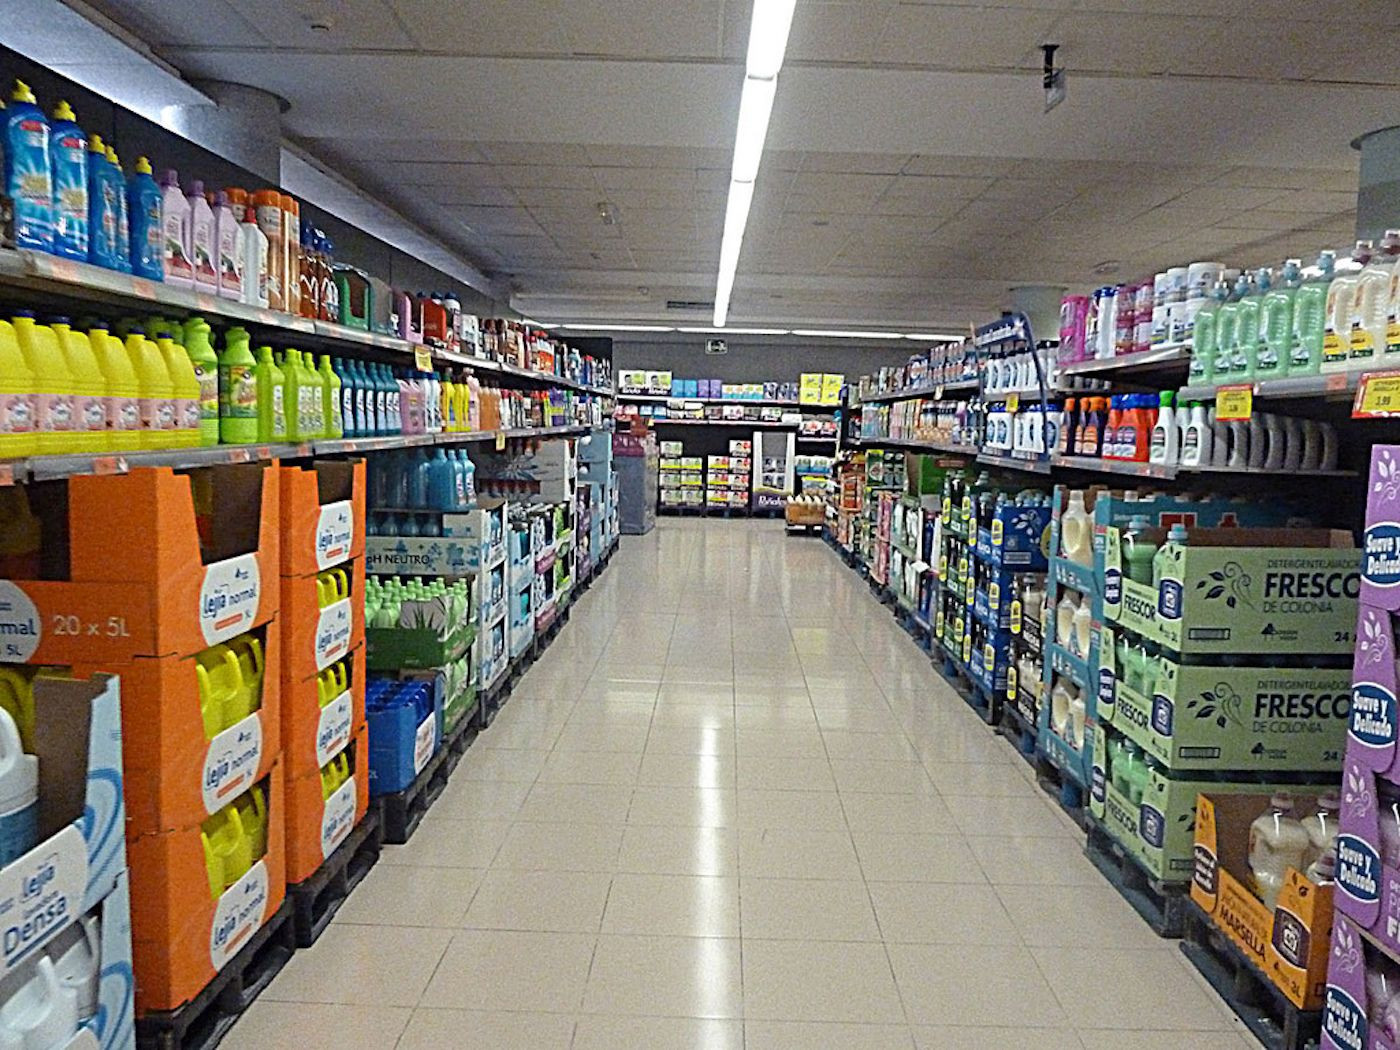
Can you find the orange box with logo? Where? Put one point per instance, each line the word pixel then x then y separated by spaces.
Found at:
pixel 200 892
pixel 198 730
pixel 153 563
pixel 1289 944
pixel 322 714
pixel 324 807
pixel 323 515
pixel 324 616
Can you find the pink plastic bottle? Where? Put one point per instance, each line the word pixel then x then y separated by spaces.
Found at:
pixel 1074 316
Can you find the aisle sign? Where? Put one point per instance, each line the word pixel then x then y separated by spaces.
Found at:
pixel 1377 396
pixel 423 358
pixel 1234 403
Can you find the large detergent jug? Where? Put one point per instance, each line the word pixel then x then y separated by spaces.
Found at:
pixel 203 250
pixel 205 363
pixel 217 676
pixel 267 205
pixel 248 653
pixel 1277 841
pixel 19 793
pixel 1227 330
pixel 225 849
pixel 175 224
pixel 68 160
pixel 145 211
pixel 91 393
pixel 272 394
pixel 76 955
pixel 228 244
pixel 1076 531
pixel 1205 335
pixel 1276 323
pixel 1310 316
pixel 17 395
pixel 53 399
pixel 121 251
pixel 42 1014
pixel 1371 304
pixel 157 391
pixel 186 390
pixel 333 420
pixel 1341 303
pixel 124 390
pixel 28 182
pixel 238 390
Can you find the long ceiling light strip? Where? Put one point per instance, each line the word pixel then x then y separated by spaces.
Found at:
pixel 768 37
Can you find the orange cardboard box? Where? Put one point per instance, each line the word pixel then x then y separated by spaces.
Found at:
pixel 317 637
pixel 311 734
pixel 175 774
pixel 126 575
pixel 1290 943
pixel 316 825
pixel 323 515
pixel 181 934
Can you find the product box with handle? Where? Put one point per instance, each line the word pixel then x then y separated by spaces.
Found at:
pixel 1380 563
pixel 323 515
pixel 324 806
pixel 323 617
pixel 322 714
pixel 1359 1011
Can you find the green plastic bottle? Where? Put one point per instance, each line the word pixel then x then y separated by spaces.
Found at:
pixel 316 396
pixel 1276 324
pixel 272 405
pixel 1205 340
pixel 1310 316
pixel 330 402
pixel 238 390
pixel 206 371
pixel 298 392
pixel 1227 331
pixel 1248 327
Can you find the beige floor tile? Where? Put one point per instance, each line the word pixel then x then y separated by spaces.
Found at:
pixel 815 810
pixel 494 800
pixel 520 734
pixel 656 850
pixel 673 905
pixel 879 747
pixel 316 1026
pixel 560 847
pixel 577 803
pixel 790 713
pixel 546 901
pixel 666 977
pixel 484 763
pixel 786 742
pixel 1005 817
pixel 591 767
pixel 985 985
pixel 583 736
pixel 906 857
pixel 980 779
pixel 926 913
pixel 785 774
pixel 912 813
pixel 659 769
pixel 407 895
pixel 346 965
pixel 819 981
pixel 864 714
pixel 679 806
pixel 1151 989
pixel 696 694
pixel 511 970
pixel 596 1032
pixel 610 714
pixel 439 1029
pixel 1102 1039
pixel 806 910
pixel 449 843
pixel 641 690
pixel 801 1035
pixel 962 1038
pixel 1076 917
pixel 794 854
pixel 690 740
pixel 1021 861
pixel 695 716
pixel 864 776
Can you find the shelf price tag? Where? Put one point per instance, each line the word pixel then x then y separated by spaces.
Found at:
pixel 500 441
pixel 1377 396
pixel 1234 403
pixel 1013 402
pixel 423 359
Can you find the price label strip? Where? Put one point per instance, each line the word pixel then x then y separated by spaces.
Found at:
pixel 1377 396
pixel 1234 403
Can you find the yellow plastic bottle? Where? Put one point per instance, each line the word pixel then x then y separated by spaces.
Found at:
pixel 157 391
pixel 53 386
pixel 187 392
pixel 90 388
pixel 16 397
pixel 124 397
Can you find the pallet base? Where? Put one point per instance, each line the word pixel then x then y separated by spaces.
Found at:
pixel 1019 733
pixel 1162 905
pixel 316 900
pixel 203 1021
pixel 1063 788
pixel 1258 1002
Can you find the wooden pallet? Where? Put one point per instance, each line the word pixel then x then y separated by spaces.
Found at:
pixel 1162 905
pixel 1275 1021
pixel 202 1022
pixel 315 900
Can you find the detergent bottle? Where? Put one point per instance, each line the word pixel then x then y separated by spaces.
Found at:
pixel 144 212
pixel 186 389
pixel 76 955
pixel 238 390
pixel 103 216
pixel 124 390
pixel 254 248
pixel 1277 841
pixel 54 420
pixel 228 255
pixel 18 387
pixel 344 371
pixel 203 249
pixel 333 420
pixel 69 177
pixel 1276 323
pixel 267 205
pixel 206 372
pixel 272 413
pixel 1076 530
pixel 19 793
pixel 1341 306
pixel 1176 536
pixel 90 388
pixel 1372 303
pixel 316 396
pixel 175 224
pixel 157 391
pixel 28 182
pixel 1227 322
pixel 1248 326
pixel 41 1013
pixel 295 397
pixel 121 250
pixel 1310 316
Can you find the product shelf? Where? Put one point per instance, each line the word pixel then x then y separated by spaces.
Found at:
pixel 920 391
pixel 915 443
pixel 761 401
pixel 1331 384
pixel 1158 358
pixel 1030 466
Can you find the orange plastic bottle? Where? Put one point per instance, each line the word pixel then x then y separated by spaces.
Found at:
pixel 268 208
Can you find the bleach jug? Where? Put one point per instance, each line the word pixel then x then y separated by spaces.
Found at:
pixel 19 793
pixel 157 391
pixel 238 390
pixel 90 389
pixel 17 394
pixel 271 382
pixel 53 401
pixel 186 390
pixel 42 1014
pixel 124 390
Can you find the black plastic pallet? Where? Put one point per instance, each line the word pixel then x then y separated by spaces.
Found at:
pixel 1162 905
pixel 1019 732
pixel 402 811
pixel 202 1022
pixel 1275 1021
pixel 315 900
pixel 490 702
pixel 1061 787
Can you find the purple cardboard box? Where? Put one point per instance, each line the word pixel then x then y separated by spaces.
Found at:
pixel 1351 979
pixel 1380 559
pixel 1368 882
pixel 1373 727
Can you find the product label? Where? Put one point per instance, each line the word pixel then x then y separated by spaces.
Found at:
pixel 231 763
pixel 1358 869
pixel 229 598
pixel 16 414
pixel 1344 1023
pixel 92 413
pixel 56 412
pixel 208 390
pixel 230 266
pixel 424 743
pixel 242 387
pixel 239 914
pixel 279 413
pixel 189 411
pixel 1335 348
pixel 1377 396
pixel 1372 723
pixel 1362 346
pixel 333 631
pixel 333 731
pixel 1380 555
pixel 41 893
pixel 338 818
pixel 177 260
pixel 335 534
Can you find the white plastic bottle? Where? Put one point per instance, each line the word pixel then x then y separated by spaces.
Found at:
pixel 1076 535
pixel 1277 842
pixel 1083 621
pixel 1196 446
pixel 19 793
pixel 1312 446
pixel 1371 305
pixel 1238 431
pixel 1065 613
pixel 1257 449
pixel 1166 435
pixel 1061 697
pixel 202 249
pixel 76 955
pixel 1328 459
pixel 1219 438
pixel 1322 826
pixel 175 229
pixel 42 1014
pixel 1341 300
pixel 1078 711
pixel 228 258
pixel 252 245
pixel 1293 442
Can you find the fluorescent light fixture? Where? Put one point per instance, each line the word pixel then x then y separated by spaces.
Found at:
pixel 930 337
pixel 755 106
pixel 820 333
pixel 768 37
pixel 538 324
pixel 734 331
pixel 617 328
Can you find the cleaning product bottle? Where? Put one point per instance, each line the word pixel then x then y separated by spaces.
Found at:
pixel 186 391
pixel 124 390
pixel 1227 347
pixel 1370 309
pixel 1064 619
pixel 175 222
pixel 19 793
pixel 1138 550
pixel 1177 536
pixel 1165 434
pixel 1076 530
pixel 349 393
pixel 297 392
pixel 1341 304
pixel 122 249
pixel 1322 826
pixel 333 419
pixel 316 398
pixel 203 250
pixel 447 406
pixel 103 216
pixel 1205 337
pixel 69 180
pixel 41 1013
pixel 268 208
pixel 18 388
pixel 291 247
pixel 228 253
pixel 157 391
pixel 1276 323
pixel 76 955
pixel 54 419
pixel 28 182
pixel 144 209
pixel 1277 842
pixel 1258 441
pixel 90 389
pixel 1248 327
pixel 1310 316
pixel 1082 637
pixel 238 390
pixel 206 371
pixel 1275 441
pixel 271 384
pixel 253 245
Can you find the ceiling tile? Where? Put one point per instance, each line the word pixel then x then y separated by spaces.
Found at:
pixel 632 28
pixel 962 36
pixel 837 32
pixel 342 25
pixel 167 22
pixel 675 180
pixel 545 175
pixel 530 153
pixel 855 163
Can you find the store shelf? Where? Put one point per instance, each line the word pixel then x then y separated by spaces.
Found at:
pixel 762 401
pixel 1332 384
pixel 920 391
pixel 1114 466
pixel 1159 358
pixel 761 424
pixel 914 443
pixel 1030 466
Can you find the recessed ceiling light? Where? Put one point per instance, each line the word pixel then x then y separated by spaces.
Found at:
pixel 734 331
pixel 618 328
pixel 931 337
pixel 607 213
pixel 1107 266
pixel 822 333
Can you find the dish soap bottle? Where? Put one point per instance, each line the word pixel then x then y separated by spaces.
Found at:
pixel 238 390
pixel 28 183
pixel 1277 842
pixel 69 163
pixel 144 210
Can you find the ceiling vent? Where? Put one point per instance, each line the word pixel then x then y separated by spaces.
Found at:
pixel 690 304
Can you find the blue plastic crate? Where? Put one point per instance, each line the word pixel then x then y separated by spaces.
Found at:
pixel 405 729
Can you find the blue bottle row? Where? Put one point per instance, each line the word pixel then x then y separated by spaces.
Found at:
pixel 431 479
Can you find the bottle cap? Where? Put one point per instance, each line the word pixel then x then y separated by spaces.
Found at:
pixel 1280 800
pixel 63 111
pixel 22 93
pixel 96 145
pixel 143 166
pixel 112 157
pixel 197 188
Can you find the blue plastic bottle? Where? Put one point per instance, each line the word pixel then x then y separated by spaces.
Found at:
pixel 417 464
pixel 103 216
pixel 442 481
pixel 146 214
pixel 28 181
pixel 68 162
pixel 121 252
pixel 347 396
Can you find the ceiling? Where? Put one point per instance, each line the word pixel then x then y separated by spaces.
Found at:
pixel 911 175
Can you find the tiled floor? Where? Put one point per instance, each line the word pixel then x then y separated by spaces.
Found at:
pixel 733 806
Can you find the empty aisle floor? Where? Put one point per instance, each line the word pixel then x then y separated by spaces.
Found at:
pixel 734 806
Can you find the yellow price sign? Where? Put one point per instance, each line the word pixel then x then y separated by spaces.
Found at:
pixel 1013 402
pixel 1234 403
pixel 423 359
pixel 1377 396
pixel 500 441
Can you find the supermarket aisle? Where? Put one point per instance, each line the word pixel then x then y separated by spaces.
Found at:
pixel 733 806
